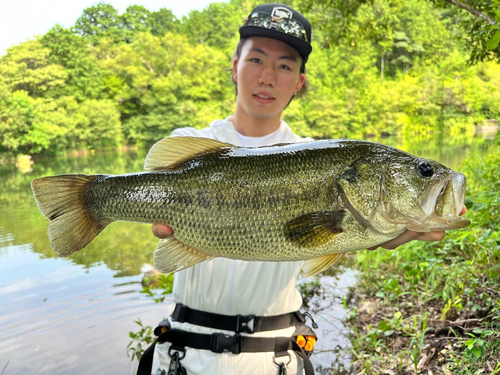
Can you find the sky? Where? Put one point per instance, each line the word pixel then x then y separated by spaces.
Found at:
pixel 21 20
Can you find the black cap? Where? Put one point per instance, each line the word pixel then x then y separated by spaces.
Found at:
pixel 299 38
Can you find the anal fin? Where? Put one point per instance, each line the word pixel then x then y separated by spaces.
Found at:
pixel 171 255
pixel 317 265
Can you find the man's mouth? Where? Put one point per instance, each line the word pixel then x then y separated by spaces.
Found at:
pixel 263 97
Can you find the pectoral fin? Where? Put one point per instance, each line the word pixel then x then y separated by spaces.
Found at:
pixel 317 265
pixel 171 255
pixel 314 228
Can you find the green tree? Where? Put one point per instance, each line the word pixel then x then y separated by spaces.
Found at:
pixel 339 21
pixel 419 34
pixel 15 115
pixel 84 79
pixel 33 125
pixel 136 19
pixel 163 21
pixel 215 26
pixel 481 20
pixel 27 67
pixel 103 21
pixel 98 21
pixel 98 125
pixel 165 83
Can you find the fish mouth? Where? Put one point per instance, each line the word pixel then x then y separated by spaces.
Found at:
pixel 443 204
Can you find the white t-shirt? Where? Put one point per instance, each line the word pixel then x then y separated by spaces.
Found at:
pixel 232 287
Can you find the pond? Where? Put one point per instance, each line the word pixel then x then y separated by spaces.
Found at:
pixel 73 315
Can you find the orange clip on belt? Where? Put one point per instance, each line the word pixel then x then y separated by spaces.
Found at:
pixel 306 342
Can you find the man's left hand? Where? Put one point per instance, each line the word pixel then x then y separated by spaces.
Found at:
pixel 410 235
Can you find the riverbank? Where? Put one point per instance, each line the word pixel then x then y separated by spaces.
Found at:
pixel 434 308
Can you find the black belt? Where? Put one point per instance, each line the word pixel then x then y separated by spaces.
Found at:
pixel 236 323
pixel 219 343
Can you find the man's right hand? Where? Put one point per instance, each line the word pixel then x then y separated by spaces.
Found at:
pixel 162 230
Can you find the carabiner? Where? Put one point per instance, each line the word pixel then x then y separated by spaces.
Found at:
pixel 175 367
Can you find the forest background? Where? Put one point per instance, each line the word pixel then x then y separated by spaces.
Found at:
pixel 382 67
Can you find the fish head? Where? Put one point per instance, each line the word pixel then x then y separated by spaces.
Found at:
pixel 392 191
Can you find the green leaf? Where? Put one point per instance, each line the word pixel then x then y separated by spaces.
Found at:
pixel 383 325
pixel 494 41
pixel 476 352
pixel 470 343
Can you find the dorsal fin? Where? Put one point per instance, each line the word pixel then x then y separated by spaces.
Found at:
pixel 171 152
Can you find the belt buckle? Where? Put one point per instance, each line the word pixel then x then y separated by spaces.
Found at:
pixel 179 314
pixel 221 342
pixel 245 323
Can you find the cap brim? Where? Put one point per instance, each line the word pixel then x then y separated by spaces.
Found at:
pixel 302 47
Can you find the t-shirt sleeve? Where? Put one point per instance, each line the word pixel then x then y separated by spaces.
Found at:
pixel 186 132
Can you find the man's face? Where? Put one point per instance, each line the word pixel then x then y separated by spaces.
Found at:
pixel 267 74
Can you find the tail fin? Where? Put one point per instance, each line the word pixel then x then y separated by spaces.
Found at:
pixel 60 199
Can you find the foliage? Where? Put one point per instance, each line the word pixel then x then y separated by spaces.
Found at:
pixel 216 26
pixel 141 339
pixel 378 67
pixel 35 125
pixel 158 287
pixel 375 20
pixel 164 83
pixel 481 22
pixel 84 79
pixel 103 21
pixel 27 67
pixel 97 21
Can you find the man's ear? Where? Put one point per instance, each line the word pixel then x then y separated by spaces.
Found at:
pixel 302 80
pixel 235 70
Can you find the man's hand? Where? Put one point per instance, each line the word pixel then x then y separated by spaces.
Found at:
pixel 410 235
pixel 161 230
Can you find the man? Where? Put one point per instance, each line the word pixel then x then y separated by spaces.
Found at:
pixel 268 70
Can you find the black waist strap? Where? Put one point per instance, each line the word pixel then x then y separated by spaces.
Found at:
pixel 219 343
pixel 236 323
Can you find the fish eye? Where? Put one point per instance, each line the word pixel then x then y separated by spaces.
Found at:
pixel 425 169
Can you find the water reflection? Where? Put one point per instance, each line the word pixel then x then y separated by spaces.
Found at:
pixel 73 315
pixel 21 222
pixel 331 352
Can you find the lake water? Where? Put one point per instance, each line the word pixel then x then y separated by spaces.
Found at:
pixel 73 315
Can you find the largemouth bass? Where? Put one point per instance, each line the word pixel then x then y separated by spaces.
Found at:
pixel 309 201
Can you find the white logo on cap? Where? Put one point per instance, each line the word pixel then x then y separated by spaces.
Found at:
pixel 280 12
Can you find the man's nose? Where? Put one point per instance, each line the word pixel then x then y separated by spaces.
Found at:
pixel 268 76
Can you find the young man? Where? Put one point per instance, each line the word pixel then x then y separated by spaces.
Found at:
pixel 268 70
